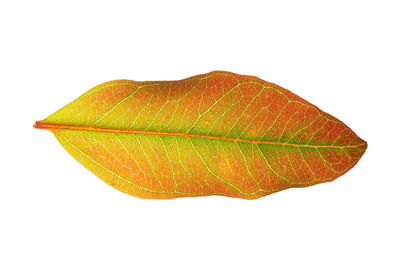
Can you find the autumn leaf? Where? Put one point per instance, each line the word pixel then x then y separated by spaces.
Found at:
pixel 218 133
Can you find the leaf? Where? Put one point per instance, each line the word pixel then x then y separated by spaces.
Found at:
pixel 213 134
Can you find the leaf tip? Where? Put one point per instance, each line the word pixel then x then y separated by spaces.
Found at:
pixel 364 144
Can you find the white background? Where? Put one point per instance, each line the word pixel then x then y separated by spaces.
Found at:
pixel 342 56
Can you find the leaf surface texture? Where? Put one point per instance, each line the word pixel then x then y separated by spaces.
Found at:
pixel 218 133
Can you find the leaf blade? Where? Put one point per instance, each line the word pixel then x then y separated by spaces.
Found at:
pixel 214 134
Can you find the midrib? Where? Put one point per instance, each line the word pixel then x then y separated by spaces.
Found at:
pixel 54 126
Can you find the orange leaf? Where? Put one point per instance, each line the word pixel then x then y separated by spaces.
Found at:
pixel 218 133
